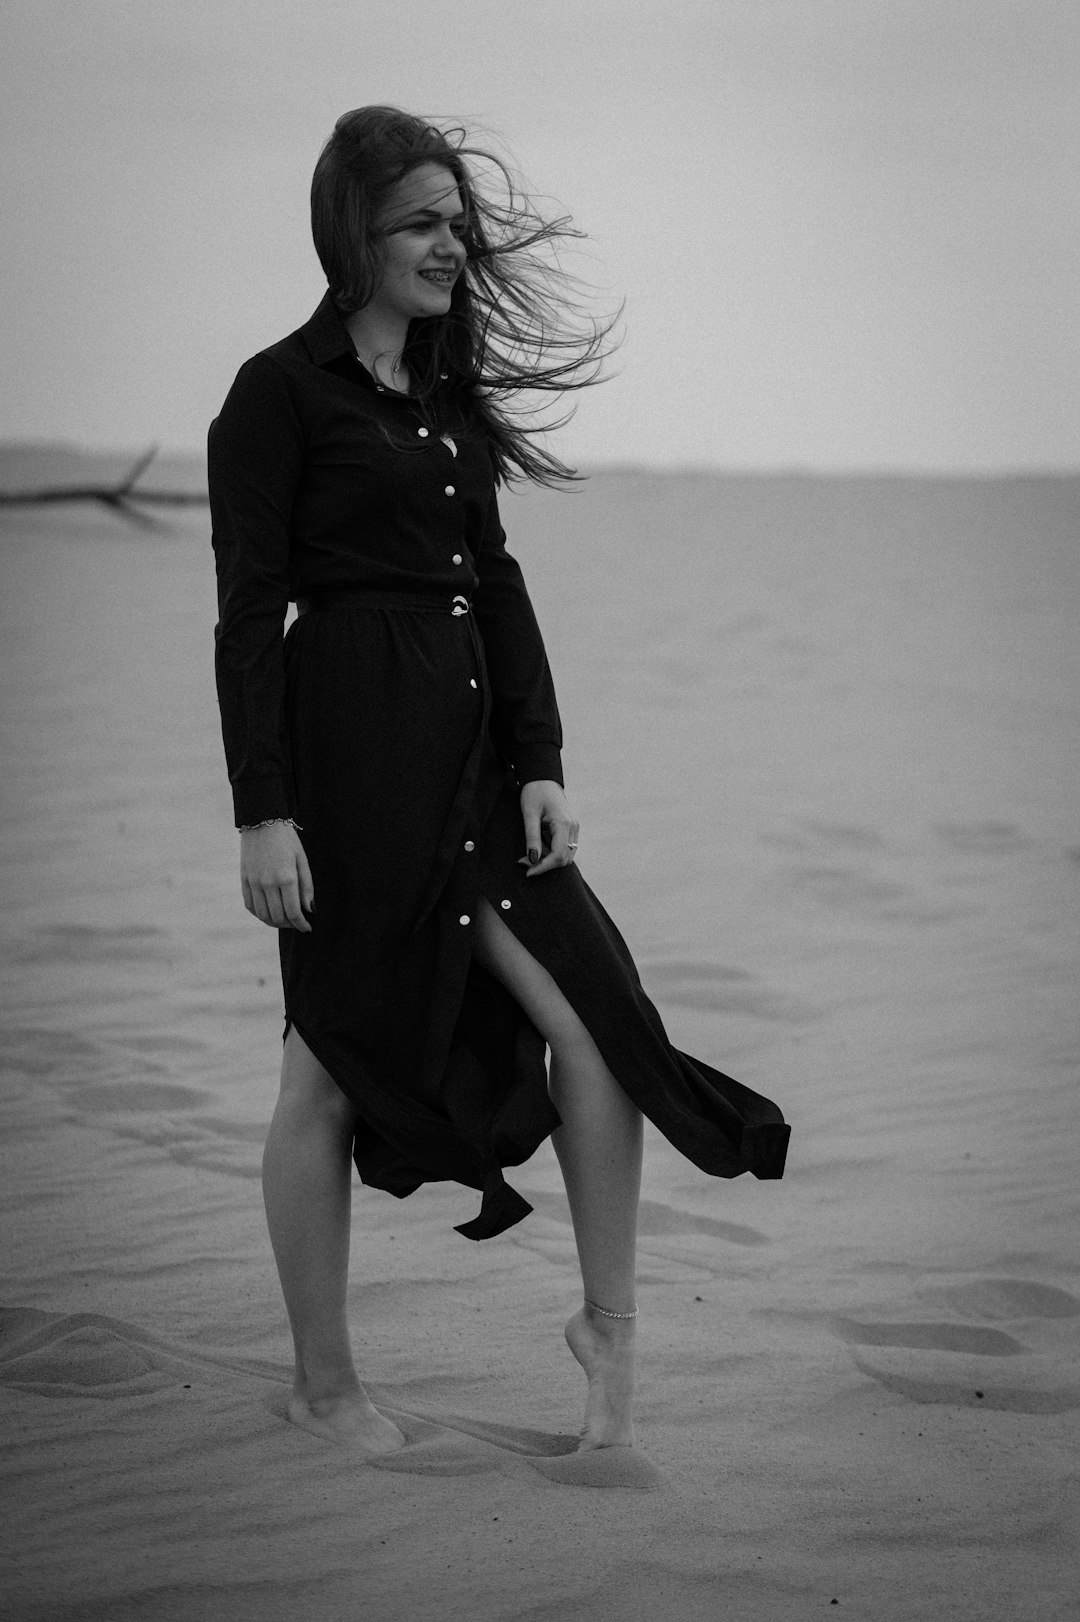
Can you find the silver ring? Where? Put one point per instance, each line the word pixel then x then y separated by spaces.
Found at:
pixel 571 844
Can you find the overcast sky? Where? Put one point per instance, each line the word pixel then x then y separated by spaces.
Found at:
pixel 847 231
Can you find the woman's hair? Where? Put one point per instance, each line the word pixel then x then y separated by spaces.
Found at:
pixel 516 322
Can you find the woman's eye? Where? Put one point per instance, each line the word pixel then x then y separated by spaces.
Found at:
pixel 425 228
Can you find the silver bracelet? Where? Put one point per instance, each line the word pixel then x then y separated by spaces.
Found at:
pixel 271 822
pixel 604 1313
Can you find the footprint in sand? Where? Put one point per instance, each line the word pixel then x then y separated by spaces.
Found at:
pixel 95 943
pixel 89 1355
pixel 839 882
pixel 1035 1388
pixel 162 1115
pixel 714 988
pixel 972 1365
pixel 165 1046
pixel 982 838
pixel 100 1075
pixel 54 1055
pixel 848 835
pixel 846 889
pixel 942 1337
pixel 835 1170
pixel 455 1445
pixel 1004 1298
pixel 819 831
pixel 124 1086
pixel 450 1444
pixel 860 890
pixel 659 1221
pixel 138 1097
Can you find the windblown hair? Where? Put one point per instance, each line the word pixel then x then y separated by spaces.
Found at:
pixel 517 324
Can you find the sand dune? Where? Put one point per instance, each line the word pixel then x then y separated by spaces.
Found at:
pixel 824 742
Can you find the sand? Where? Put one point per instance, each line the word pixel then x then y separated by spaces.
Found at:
pixel 824 742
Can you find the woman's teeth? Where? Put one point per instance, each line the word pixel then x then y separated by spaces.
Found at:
pixel 443 277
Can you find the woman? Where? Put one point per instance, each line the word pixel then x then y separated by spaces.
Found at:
pixel 396 777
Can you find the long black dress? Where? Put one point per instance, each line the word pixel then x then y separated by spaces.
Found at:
pixel 395 722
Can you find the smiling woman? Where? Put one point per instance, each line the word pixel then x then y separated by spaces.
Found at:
pixel 388 185
pixel 398 755
pixel 423 255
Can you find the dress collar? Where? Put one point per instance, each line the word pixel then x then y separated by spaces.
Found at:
pixel 324 336
pixel 326 339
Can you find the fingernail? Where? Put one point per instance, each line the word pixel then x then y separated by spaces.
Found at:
pixel 534 856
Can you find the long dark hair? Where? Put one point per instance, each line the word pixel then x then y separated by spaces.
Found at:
pixel 517 325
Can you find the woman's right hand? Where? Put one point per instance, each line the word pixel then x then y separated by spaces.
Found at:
pixel 275 876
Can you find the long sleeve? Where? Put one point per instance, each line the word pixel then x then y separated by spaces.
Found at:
pixel 255 458
pixel 526 715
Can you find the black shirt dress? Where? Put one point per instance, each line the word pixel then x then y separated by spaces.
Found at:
pixel 396 721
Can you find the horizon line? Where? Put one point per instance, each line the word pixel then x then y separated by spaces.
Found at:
pixel 590 468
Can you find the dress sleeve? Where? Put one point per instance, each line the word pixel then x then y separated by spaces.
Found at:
pixel 254 462
pixel 525 713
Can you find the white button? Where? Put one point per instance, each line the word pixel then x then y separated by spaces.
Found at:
pixel 464 919
pixel 506 906
pixel 450 490
pixel 421 433
pixel 469 845
pixel 472 681
pixel 457 558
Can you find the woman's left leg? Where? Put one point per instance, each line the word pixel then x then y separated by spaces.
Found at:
pixel 599 1151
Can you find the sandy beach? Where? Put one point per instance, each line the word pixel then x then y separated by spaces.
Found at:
pixel 824 741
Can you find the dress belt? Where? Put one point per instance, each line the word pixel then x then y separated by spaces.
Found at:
pixel 413 602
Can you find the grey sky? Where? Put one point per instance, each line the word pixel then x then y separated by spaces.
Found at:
pixel 846 230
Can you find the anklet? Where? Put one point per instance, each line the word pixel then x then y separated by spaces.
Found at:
pixel 604 1313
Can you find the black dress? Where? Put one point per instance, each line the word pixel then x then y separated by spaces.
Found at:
pixel 395 722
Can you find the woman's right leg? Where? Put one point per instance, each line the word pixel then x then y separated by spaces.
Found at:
pixel 307 1189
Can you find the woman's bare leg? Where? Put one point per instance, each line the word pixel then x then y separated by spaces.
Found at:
pixel 599 1150
pixel 307 1188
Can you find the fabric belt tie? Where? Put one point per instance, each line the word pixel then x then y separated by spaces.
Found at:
pixel 412 602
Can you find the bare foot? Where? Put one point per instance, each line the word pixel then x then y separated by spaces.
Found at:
pixel 605 1349
pixel 350 1419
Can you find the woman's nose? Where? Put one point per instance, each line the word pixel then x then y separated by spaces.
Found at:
pixel 448 243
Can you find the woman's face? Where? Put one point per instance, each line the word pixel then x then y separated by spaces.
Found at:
pixel 423 254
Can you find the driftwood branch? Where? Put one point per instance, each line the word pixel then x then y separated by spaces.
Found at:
pixel 121 497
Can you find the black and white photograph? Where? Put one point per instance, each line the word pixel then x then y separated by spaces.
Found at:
pixel 540 833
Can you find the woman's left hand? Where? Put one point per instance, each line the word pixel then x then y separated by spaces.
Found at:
pixel 551 830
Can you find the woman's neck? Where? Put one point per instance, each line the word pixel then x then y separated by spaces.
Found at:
pixel 379 340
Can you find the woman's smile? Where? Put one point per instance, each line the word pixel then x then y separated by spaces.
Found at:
pixel 423 254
